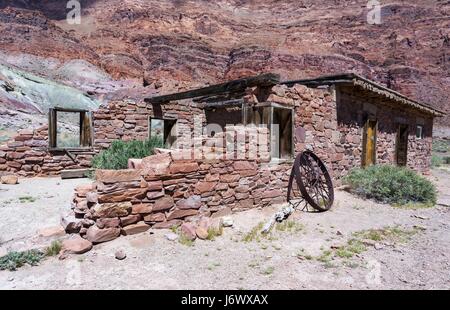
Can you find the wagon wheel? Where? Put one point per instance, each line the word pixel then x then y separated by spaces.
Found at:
pixel 312 179
pixel 294 195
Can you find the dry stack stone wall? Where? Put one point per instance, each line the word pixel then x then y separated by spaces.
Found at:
pixel 166 192
pixel 28 155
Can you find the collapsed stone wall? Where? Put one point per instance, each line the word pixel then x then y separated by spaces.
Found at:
pixel 27 154
pixel 166 192
pixel 128 120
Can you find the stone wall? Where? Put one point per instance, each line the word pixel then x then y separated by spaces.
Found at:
pixel 353 108
pixel 166 192
pixel 333 121
pixel 28 155
pixel 128 120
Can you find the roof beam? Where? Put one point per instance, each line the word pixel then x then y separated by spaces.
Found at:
pixel 264 80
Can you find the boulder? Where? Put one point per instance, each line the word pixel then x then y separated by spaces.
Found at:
pixel 222 212
pixel 244 165
pixel 114 176
pixel 179 214
pixel 83 189
pixel 157 164
pixel 130 219
pixel 112 209
pixel 201 233
pixel 92 197
pixel 135 229
pixel 183 167
pixel 155 217
pixel 155 195
pixel 163 204
pixel 188 230
pixel 97 235
pixel 204 187
pixel 9 179
pixel 71 224
pixel 167 224
pixel 76 245
pixel 227 221
pixel 55 231
pixel 122 195
pixel 108 222
pixel 141 209
pixel 171 236
pixel 134 163
pixel 193 202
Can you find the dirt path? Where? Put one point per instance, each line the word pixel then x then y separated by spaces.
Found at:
pixel 311 251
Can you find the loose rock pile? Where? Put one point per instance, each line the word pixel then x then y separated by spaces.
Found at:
pixel 166 193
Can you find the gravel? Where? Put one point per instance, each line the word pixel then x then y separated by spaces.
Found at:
pixel 292 258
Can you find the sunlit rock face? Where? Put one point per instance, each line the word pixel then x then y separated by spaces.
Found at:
pixel 171 45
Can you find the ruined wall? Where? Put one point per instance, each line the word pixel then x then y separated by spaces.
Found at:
pixel 28 155
pixel 333 120
pixel 128 120
pixel 166 192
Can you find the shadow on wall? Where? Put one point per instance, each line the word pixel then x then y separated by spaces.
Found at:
pixel 355 108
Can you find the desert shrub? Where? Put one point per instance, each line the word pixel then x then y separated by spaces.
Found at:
pixel 391 184
pixel 116 157
pixel 14 260
pixel 54 248
pixel 441 146
pixel 436 161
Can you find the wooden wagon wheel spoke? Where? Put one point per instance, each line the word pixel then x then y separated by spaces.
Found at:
pixel 312 179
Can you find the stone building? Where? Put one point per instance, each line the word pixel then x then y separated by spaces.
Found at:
pixel 347 120
pixel 230 147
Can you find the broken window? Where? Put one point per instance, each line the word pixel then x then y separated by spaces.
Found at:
pixel 279 120
pixel 164 129
pixel 222 116
pixel 69 129
pixel 419 132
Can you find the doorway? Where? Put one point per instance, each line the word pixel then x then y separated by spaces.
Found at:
pixel 402 145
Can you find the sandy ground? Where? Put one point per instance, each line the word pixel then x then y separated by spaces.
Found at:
pixel 290 259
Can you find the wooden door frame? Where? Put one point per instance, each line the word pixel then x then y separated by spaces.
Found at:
pixel 364 146
pixel 397 140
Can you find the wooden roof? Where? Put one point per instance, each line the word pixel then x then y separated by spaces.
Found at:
pixel 271 79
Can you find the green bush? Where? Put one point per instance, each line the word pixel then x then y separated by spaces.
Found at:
pixel 116 157
pixel 14 260
pixel 441 146
pixel 391 184
pixel 436 161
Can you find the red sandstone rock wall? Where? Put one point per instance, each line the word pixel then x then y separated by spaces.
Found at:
pixel 28 155
pixel 180 190
pixel 333 121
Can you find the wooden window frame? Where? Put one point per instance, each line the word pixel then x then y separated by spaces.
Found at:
pixel 397 145
pixel 164 119
pixel 86 130
pixel 271 106
pixel 421 131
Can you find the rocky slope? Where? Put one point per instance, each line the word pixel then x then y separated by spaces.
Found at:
pixel 174 44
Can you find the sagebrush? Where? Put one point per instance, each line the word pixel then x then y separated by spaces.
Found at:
pixel 391 184
pixel 117 155
pixel 14 260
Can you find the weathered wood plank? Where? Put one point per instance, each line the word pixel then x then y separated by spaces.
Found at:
pixel 265 80
pixel 75 173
